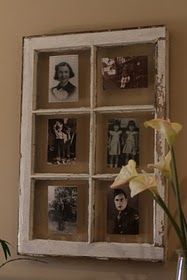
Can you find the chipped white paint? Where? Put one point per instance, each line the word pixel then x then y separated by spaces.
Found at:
pixel 98 249
pixel 120 37
pixel 25 147
pixel 58 176
pixel 160 145
pixel 90 41
pixel 125 109
pixel 92 146
pixel 82 110
pixel 105 176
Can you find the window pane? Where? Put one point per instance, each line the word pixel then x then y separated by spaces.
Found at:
pixel 63 79
pixel 121 137
pixel 119 218
pixel 61 143
pixel 125 75
pixel 60 210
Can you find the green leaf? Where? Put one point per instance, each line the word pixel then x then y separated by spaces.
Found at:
pixel 4 244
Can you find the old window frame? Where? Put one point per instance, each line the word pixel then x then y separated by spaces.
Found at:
pixel 92 40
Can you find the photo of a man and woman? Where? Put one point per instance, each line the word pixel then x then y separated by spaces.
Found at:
pixel 61 141
pixel 122 213
pixel 63 78
pixel 62 209
pixel 124 72
pixel 123 142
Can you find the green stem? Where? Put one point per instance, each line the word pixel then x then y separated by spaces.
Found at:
pixel 5 246
pixel 183 216
pixel 173 187
pixel 22 259
pixel 176 186
pixel 184 220
pixel 162 204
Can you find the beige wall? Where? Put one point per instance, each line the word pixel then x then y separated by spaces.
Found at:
pixel 20 18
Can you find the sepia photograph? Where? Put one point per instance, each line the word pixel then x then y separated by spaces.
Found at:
pixel 62 209
pixel 124 72
pixel 61 141
pixel 122 212
pixel 63 78
pixel 122 142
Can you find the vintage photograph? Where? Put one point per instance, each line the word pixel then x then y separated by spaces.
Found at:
pixel 122 212
pixel 61 141
pixel 63 78
pixel 62 209
pixel 125 72
pixel 122 142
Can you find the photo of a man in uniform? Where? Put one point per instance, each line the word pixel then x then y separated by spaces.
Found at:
pixel 122 218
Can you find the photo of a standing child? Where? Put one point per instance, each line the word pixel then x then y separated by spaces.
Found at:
pixel 114 146
pixel 130 140
pixel 61 141
pixel 123 142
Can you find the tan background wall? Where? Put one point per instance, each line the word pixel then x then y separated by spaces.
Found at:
pixel 20 18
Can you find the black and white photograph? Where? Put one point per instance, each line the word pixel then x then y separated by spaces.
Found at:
pixel 122 212
pixel 62 209
pixel 63 78
pixel 123 142
pixel 124 72
pixel 61 141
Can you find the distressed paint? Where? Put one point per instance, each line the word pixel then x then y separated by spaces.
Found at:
pixel 98 249
pixel 107 38
pixel 25 146
pixel 58 176
pixel 125 108
pixel 82 110
pixel 92 146
pixel 161 105
pixel 57 43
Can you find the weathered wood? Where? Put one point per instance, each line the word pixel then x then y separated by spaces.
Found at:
pixel 25 146
pixel 65 111
pixel 81 41
pixel 161 105
pixel 125 109
pixel 92 147
pixel 97 249
pixel 58 176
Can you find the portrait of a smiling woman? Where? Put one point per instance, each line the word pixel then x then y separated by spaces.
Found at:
pixel 63 78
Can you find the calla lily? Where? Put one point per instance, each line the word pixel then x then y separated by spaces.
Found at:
pixel 146 181
pixel 127 173
pixel 141 183
pixel 164 165
pixel 167 128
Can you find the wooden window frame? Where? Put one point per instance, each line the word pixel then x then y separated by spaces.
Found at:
pixel 92 40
